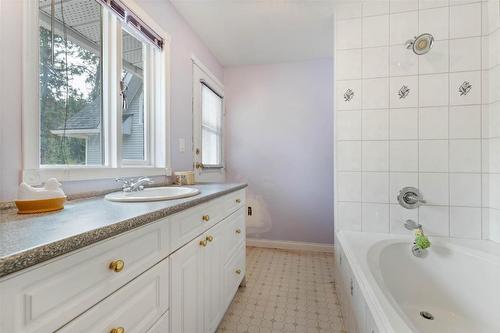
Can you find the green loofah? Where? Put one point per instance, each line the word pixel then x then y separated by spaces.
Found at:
pixel 422 241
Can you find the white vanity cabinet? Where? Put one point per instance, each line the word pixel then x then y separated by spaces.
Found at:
pixel 167 276
pixel 200 271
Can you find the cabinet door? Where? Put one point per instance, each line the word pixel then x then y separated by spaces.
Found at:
pixel 212 277
pixel 233 271
pixel 186 312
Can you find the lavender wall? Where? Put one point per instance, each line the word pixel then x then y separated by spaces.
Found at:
pixel 279 139
pixel 184 43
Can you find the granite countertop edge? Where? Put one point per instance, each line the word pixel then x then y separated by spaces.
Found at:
pixel 39 254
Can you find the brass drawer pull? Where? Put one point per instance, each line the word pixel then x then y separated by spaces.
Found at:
pixel 238 231
pixel 238 201
pixel 117 330
pixel 117 266
pixel 205 218
pixel 238 271
pixel 210 238
pixel 203 242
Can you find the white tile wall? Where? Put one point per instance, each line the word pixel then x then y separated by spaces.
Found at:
pixel 465 122
pixel 434 21
pixel 465 20
pixel 375 31
pixel 443 136
pixel 403 124
pixel 433 123
pixel 375 155
pixel 375 62
pixel 437 61
pixel 375 124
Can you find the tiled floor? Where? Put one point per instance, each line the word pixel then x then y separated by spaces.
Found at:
pixel 288 292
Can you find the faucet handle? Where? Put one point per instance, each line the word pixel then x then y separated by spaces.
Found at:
pixel 126 183
pixel 122 180
pixel 410 197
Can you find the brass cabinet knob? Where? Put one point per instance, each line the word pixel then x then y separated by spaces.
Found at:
pixel 203 242
pixel 117 330
pixel 117 265
pixel 238 271
pixel 199 165
pixel 238 231
pixel 210 238
pixel 205 218
pixel 238 200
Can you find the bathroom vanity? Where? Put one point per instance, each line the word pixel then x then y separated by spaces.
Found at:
pixel 170 266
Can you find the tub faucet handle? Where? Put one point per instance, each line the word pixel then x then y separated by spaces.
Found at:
pixel 410 197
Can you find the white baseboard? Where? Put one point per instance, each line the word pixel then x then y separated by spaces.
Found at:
pixel 290 245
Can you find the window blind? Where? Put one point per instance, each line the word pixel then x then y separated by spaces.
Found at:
pixel 131 19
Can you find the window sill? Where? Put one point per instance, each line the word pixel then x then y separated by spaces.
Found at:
pixel 38 176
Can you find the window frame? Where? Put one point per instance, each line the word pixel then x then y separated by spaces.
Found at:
pixel 157 106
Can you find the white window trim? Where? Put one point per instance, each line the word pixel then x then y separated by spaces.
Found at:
pixel 158 148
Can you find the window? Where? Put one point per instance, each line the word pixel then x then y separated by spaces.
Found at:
pixel 208 125
pixel 132 91
pixel 70 83
pixel 211 127
pixel 101 78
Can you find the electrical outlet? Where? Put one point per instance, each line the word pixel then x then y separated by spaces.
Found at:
pixel 249 211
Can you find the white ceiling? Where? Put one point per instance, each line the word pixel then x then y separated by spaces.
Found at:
pixel 244 32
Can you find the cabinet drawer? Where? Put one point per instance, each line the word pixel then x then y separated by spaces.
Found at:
pixel 47 297
pixel 234 201
pixel 189 224
pixel 234 271
pixel 234 233
pixel 136 307
pixel 193 222
pixel 162 325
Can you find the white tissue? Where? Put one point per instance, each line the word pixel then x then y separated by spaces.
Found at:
pixel 50 190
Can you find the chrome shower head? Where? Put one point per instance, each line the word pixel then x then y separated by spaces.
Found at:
pixel 420 44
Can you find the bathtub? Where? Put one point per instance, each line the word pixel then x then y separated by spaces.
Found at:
pixel 384 288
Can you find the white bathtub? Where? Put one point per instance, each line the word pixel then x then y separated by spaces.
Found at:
pixel 458 282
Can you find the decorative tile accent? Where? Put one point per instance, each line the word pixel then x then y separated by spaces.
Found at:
pixel 403 92
pixel 287 291
pixel 465 88
pixel 348 95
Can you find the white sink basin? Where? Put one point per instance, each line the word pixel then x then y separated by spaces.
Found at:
pixel 153 194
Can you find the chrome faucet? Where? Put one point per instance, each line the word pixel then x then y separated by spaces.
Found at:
pixel 131 185
pixel 412 225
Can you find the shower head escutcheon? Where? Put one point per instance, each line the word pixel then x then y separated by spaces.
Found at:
pixel 420 44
